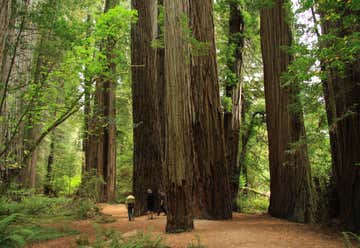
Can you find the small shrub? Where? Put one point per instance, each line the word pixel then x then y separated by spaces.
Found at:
pixel 351 240
pixel 11 236
pixel 83 240
pixel 112 239
pixel 145 240
pixel 85 208
pixel 253 204
pixel 196 244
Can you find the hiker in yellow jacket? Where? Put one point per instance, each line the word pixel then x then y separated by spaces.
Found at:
pixel 130 204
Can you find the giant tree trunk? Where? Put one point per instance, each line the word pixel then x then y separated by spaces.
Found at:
pixel 146 90
pixel 5 13
pixel 232 120
pixel 290 179
pixel 101 152
pixel 179 158
pixel 342 98
pixel 212 189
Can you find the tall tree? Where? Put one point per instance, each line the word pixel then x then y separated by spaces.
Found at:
pixel 234 91
pixel 146 89
pixel 179 158
pixel 290 183
pixel 340 25
pixel 5 14
pixel 101 150
pixel 212 188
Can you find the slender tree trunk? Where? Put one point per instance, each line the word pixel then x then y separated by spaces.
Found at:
pixel 147 85
pixel 87 113
pixel 290 178
pixel 101 155
pixel 212 189
pixel 48 189
pixel 179 157
pixel 232 120
pixel 342 98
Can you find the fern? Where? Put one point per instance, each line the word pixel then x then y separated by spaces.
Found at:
pixel 350 239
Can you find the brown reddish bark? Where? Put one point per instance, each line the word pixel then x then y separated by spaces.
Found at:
pixel 102 138
pixel 212 198
pixel 146 89
pixel 342 98
pixel 232 120
pixel 179 156
pixel 290 179
pixel 5 14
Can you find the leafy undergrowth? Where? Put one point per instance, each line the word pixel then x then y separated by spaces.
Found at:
pixel 113 239
pixel 351 240
pixel 253 204
pixel 26 220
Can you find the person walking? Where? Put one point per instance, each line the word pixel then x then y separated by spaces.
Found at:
pixel 130 204
pixel 150 203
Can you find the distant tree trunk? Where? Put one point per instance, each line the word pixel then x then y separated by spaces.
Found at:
pixel 232 120
pixel 102 139
pixel 342 98
pixel 48 189
pixel 28 172
pixel 147 112
pixel 290 177
pixel 212 199
pixel 87 113
pixel 179 157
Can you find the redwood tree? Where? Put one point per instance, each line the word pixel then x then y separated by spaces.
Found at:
pixel 290 182
pixel 234 91
pixel 212 189
pixel 101 152
pixel 342 98
pixel 178 117
pixel 147 85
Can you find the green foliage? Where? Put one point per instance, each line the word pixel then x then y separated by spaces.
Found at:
pixel 17 230
pixel 89 187
pixel 251 203
pixel 110 238
pixel 196 244
pixel 34 206
pixel 85 208
pixel 351 239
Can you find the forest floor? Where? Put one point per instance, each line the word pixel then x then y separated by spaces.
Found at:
pixel 245 230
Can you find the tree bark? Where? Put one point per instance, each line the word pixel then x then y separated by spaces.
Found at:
pixel 232 120
pixel 102 138
pixel 212 199
pixel 48 189
pixel 342 98
pixel 290 183
pixel 5 14
pixel 179 156
pixel 147 87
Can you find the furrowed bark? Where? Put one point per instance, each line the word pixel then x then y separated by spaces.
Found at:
pixel 232 119
pixel 291 190
pixel 212 198
pixel 147 87
pixel 178 118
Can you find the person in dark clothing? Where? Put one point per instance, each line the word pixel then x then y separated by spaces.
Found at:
pixel 150 203
pixel 162 198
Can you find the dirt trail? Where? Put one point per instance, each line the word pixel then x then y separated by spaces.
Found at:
pixel 245 231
